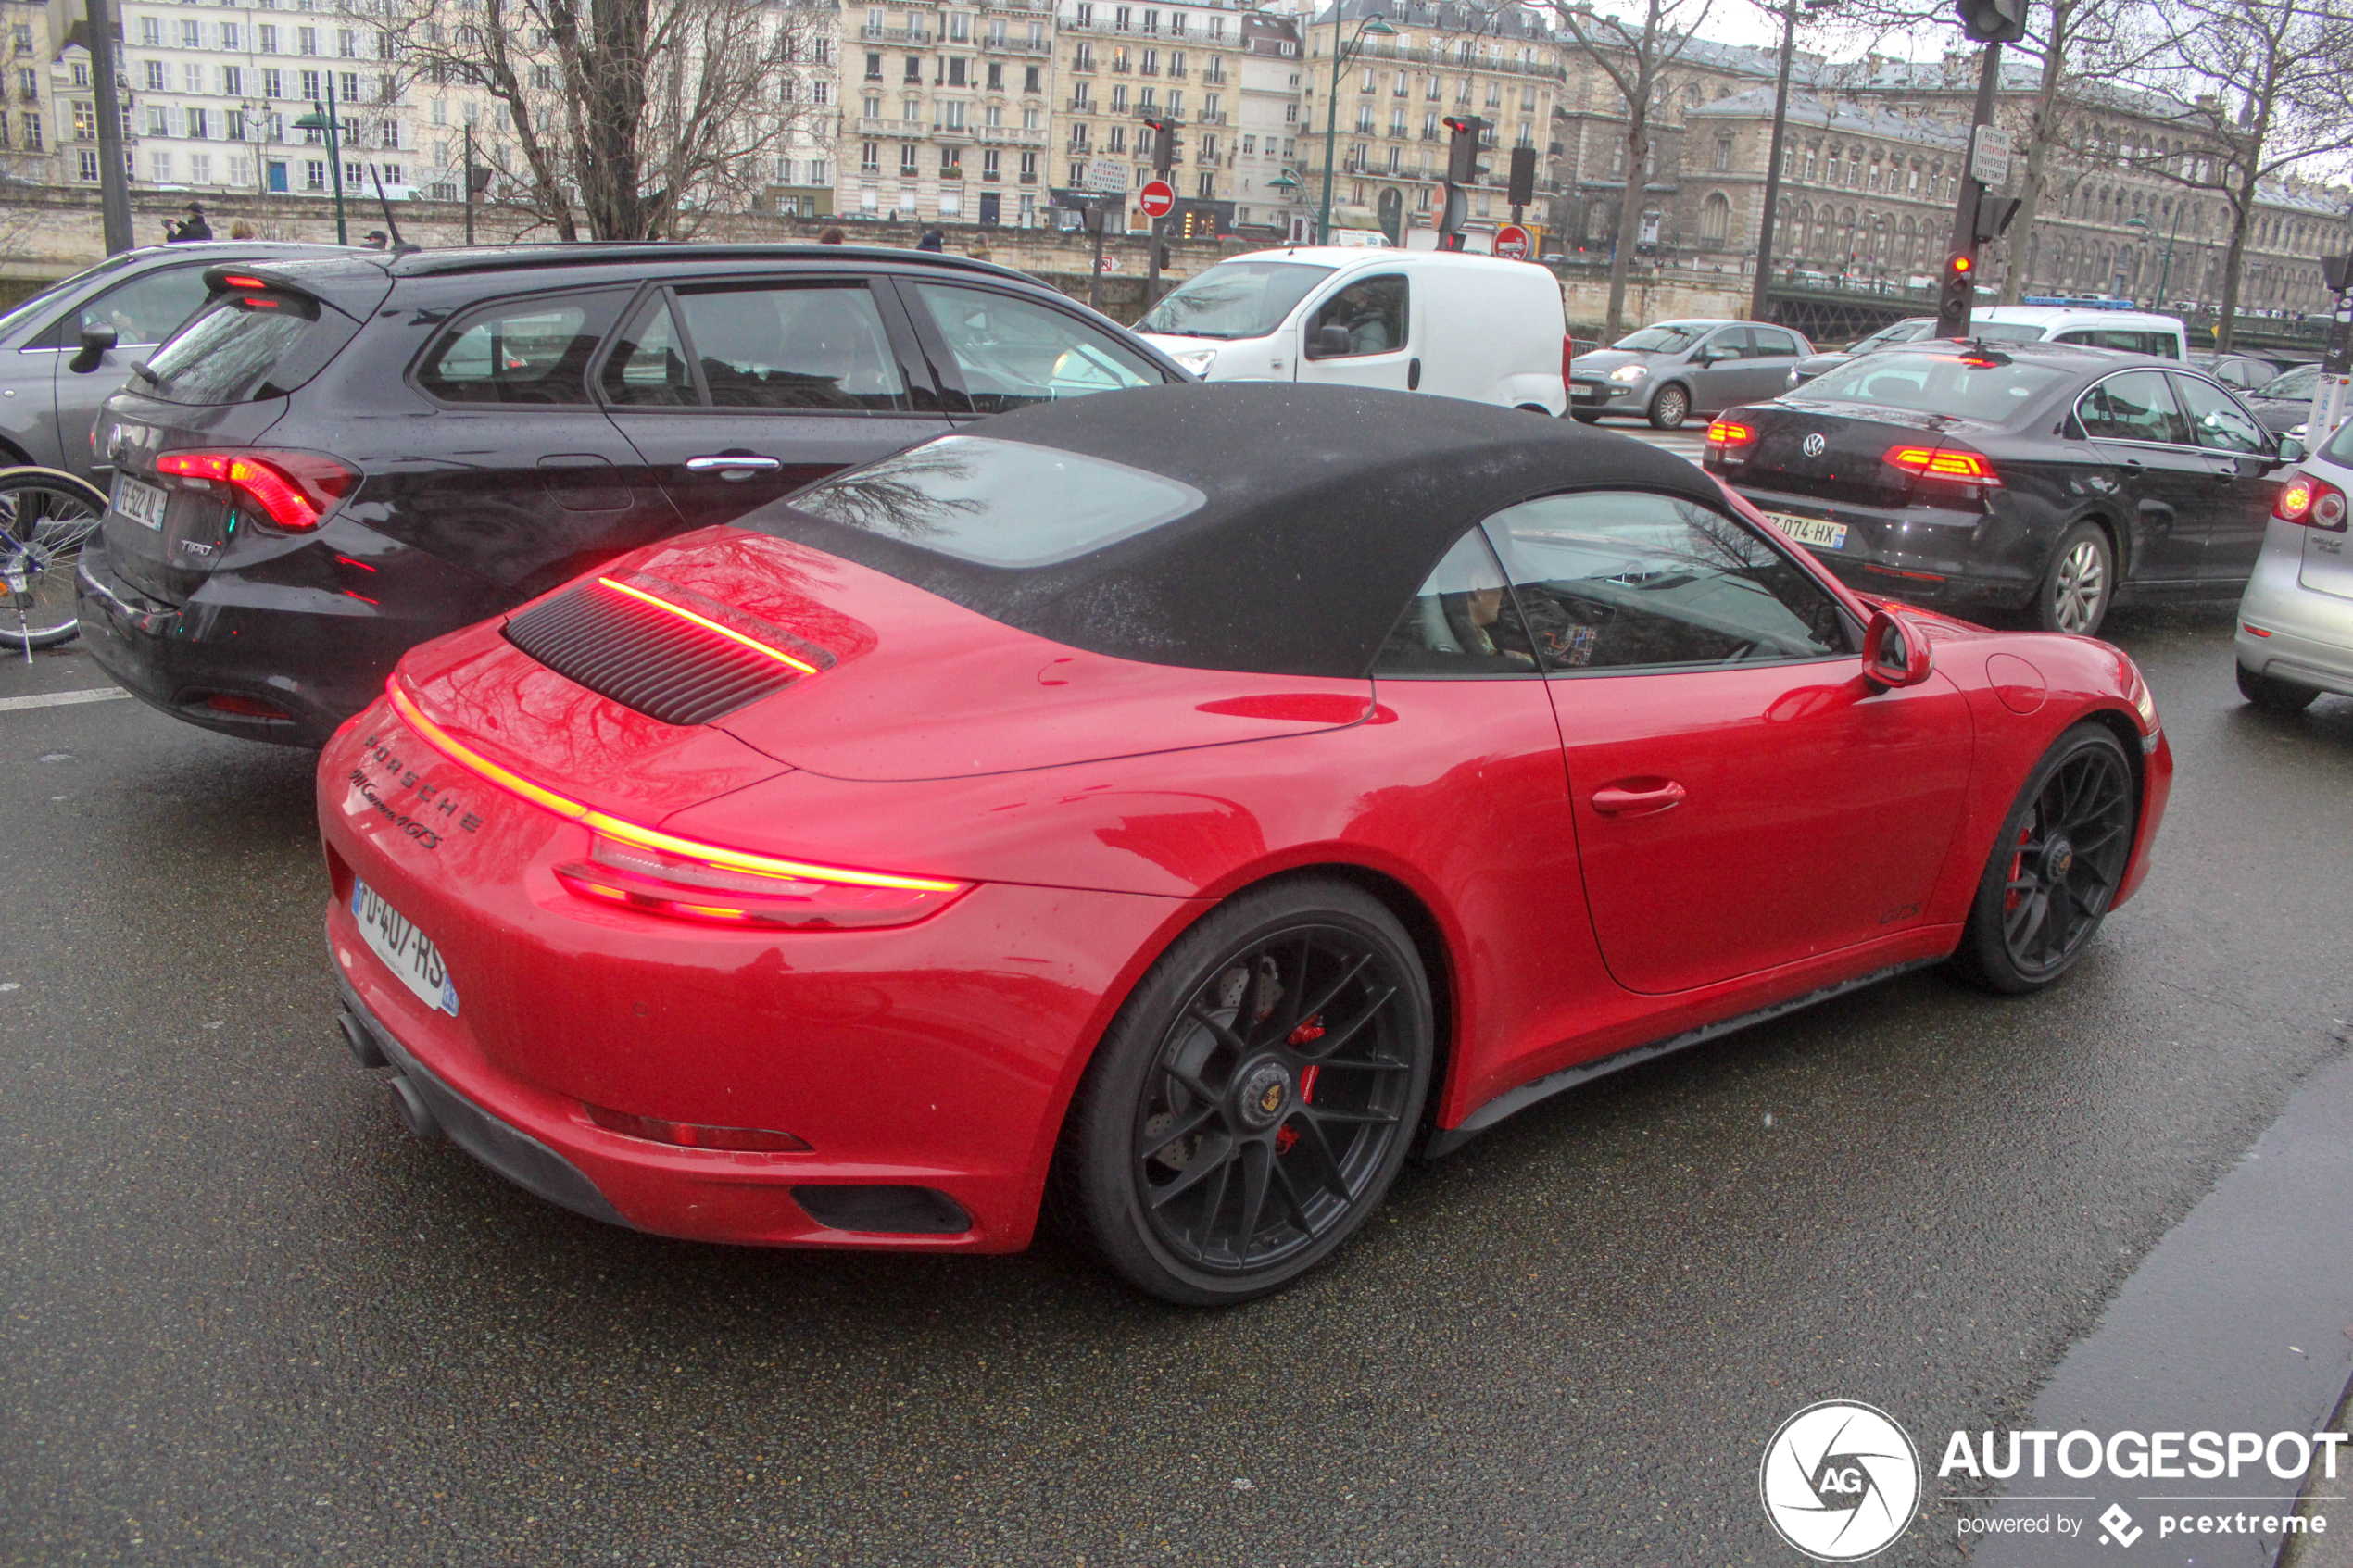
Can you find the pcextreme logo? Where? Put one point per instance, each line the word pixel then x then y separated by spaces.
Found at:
pixel 1839 1481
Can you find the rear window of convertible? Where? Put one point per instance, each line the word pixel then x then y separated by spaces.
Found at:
pixel 1000 503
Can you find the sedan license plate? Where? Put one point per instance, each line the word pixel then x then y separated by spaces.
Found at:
pixel 1819 532
pixel 405 950
pixel 140 503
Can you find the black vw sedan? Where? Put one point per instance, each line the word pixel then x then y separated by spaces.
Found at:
pixel 2044 478
pixel 334 460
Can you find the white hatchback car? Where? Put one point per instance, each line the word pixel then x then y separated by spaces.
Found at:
pixel 2295 635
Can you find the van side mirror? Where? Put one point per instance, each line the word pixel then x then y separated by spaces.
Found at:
pixel 95 340
pixel 2291 449
pixel 1894 653
pixel 1329 342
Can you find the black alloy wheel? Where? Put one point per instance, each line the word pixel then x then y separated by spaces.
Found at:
pixel 2056 866
pixel 1670 408
pixel 1256 1097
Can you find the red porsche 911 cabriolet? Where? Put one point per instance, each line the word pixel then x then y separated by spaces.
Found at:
pixel 1192 799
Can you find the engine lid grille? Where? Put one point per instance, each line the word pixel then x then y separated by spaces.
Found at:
pixel 666 651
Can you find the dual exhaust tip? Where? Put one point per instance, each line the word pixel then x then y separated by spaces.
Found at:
pixel 406 1102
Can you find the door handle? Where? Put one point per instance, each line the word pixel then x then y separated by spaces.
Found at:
pixel 734 466
pixel 1637 797
pixel 1413 376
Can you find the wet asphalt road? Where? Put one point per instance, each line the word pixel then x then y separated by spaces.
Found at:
pixel 244 1318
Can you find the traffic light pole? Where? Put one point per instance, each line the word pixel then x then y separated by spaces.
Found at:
pixel 1757 304
pixel 114 181
pixel 1960 266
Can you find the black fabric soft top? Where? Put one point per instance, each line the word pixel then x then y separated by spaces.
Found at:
pixel 1326 507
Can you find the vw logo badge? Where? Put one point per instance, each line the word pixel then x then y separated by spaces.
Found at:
pixel 1815 445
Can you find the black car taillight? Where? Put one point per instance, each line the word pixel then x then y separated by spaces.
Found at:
pixel 290 490
pixel 1948 463
pixel 2310 501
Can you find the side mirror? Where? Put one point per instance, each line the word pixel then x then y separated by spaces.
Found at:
pixel 95 341
pixel 2291 449
pixel 1895 654
pixel 1330 342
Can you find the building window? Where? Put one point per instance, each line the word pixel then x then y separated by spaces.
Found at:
pixel 1715 219
pixel 907 161
pixel 151 32
pixel 988 166
pixel 1723 152
pixel 157 79
pixel 1029 168
pixel 870 158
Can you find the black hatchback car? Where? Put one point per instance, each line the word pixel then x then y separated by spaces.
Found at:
pixel 335 460
pixel 2046 477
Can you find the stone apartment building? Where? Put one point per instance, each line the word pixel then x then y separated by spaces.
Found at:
pixel 992 111
pixel 1395 91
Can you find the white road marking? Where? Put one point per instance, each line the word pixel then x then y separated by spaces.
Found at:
pixel 60 699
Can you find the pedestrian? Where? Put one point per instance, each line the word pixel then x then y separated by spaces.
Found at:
pixel 933 239
pixel 375 240
pixel 833 236
pixel 241 230
pixel 188 229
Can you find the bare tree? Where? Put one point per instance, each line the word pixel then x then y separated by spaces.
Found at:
pixel 1636 59
pixel 2265 81
pixel 629 120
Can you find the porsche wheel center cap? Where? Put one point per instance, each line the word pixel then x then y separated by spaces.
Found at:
pixel 1264 1093
pixel 2059 858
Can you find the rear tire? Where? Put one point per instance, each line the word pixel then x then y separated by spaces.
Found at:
pixel 1252 1101
pixel 2055 866
pixel 2277 695
pixel 1670 408
pixel 1584 416
pixel 2079 585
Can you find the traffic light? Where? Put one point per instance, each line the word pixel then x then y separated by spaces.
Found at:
pixel 1164 148
pixel 1462 153
pixel 1523 189
pixel 1994 216
pixel 1993 22
pixel 2336 271
pixel 1957 296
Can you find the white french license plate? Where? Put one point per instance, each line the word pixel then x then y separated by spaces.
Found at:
pixel 140 503
pixel 1816 531
pixel 405 950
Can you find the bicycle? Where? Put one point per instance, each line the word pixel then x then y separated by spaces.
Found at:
pixel 45 518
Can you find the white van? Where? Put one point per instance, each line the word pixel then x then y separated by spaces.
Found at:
pixel 2135 331
pixel 1439 321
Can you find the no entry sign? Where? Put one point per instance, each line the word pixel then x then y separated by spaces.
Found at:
pixel 1156 198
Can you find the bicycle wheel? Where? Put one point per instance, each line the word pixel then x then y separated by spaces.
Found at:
pixel 45 517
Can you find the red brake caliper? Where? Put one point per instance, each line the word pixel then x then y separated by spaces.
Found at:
pixel 2010 899
pixel 1313 1029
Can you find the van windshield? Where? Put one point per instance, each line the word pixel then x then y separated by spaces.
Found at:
pixel 1234 299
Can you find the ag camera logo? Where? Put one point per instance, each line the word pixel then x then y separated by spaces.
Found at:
pixel 1839 1481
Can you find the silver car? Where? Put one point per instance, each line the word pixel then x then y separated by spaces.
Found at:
pixel 69 349
pixel 2295 635
pixel 1672 370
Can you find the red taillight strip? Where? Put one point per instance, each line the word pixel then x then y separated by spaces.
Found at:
pixel 708 624
pixel 1966 467
pixel 1730 434
pixel 629 832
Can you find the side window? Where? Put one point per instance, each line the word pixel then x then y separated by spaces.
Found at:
pixel 2132 407
pixel 520 351
pixel 1732 343
pixel 143 310
pixel 1773 343
pixel 648 368
pixel 1625 580
pixel 1372 309
pixel 1013 352
pixel 2216 421
pixel 1461 621
pixel 817 346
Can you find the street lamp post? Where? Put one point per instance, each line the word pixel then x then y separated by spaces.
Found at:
pixel 1288 183
pixel 324 120
pixel 1790 10
pixel 2165 268
pixel 1342 54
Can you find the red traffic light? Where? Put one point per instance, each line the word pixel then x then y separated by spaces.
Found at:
pixel 1960 265
pixel 1460 127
